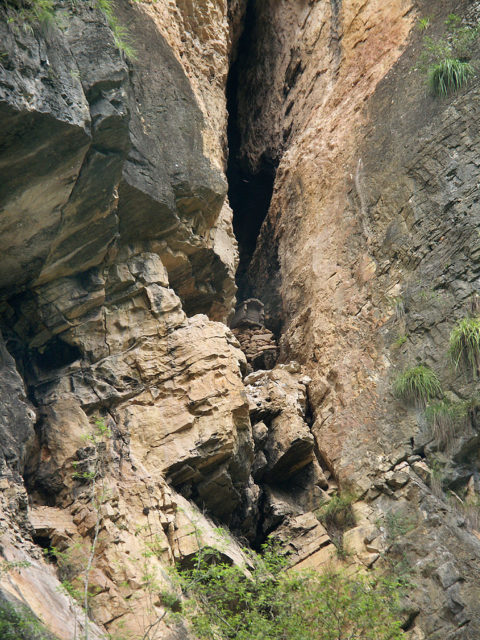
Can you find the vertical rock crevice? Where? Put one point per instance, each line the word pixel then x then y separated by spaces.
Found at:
pixel 250 187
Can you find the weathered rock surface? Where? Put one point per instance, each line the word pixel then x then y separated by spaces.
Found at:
pixel 115 227
pixel 258 345
pixel 368 254
pixel 77 120
pixel 117 237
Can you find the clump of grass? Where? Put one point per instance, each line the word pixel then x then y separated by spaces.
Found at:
pixel 423 23
pixel 417 385
pixel 468 507
pixel 31 12
pixel 449 75
pixel 444 418
pixel 28 12
pixel 120 33
pixel 465 344
pixel 446 59
pixel 336 515
pixel 437 478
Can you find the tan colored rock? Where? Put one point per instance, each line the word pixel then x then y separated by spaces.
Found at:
pixel 41 591
pixel 321 560
pixel 280 396
pixel 302 536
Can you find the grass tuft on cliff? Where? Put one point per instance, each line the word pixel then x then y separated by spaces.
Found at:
pixel 417 385
pixel 448 76
pixel 337 516
pixel 42 12
pixel 465 344
pixel 446 59
pixel 444 418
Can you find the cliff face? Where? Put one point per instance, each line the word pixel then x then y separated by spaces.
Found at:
pixel 118 276
pixel 367 256
pixel 115 226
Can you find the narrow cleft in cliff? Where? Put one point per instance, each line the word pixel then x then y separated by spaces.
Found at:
pixel 249 188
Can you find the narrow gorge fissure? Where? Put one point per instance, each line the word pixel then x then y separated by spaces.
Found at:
pixel 283 494
pixel 249 191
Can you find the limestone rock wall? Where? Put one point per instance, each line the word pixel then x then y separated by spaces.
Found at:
pixel 116 239
pixel 118 275
pixel 110 154
pixel 368 257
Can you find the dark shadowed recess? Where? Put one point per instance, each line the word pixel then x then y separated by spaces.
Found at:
pixel 249 193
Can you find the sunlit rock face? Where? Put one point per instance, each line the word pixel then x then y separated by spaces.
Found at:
pixel 118 282
pixel 116 235
pixel 363 255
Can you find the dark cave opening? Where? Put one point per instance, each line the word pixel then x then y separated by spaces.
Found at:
pixel 249 192
pixel 56 354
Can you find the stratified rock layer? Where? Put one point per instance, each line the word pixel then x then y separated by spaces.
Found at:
pixel 124 417
pixel 368 256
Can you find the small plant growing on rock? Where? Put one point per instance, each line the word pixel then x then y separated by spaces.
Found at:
pixel 417 385
pixel 444 418
pixel 446 60
pixel 336 515
pixel 31 12
pixel 423 23
pixel 465 344
pixel 449 75
pixel 400 341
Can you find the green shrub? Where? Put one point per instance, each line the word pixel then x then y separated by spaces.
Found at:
pixel 465 344
pixel 449 75
pixel 19 623
pixel 444 418
pixel 417 385
pixel 272 604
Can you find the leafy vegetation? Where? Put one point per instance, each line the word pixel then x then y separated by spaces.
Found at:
pixel 19 623
pixel 417 385
pixel 269 603
pixel 446 59
pixel 465 344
